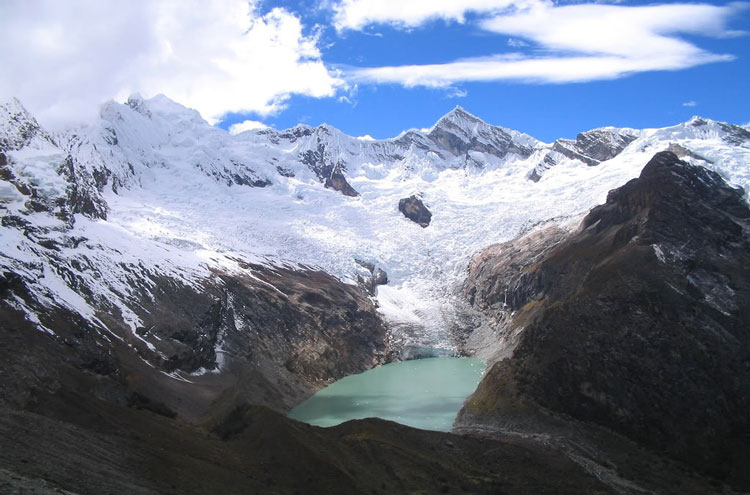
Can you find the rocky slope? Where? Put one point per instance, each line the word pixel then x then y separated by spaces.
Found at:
pixel 271 337
pixel 259 451
pixel 160 279
pixel 637 321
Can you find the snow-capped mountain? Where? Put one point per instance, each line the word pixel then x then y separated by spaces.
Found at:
pixel 92 215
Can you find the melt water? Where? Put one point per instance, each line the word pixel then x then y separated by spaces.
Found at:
pixel 423 393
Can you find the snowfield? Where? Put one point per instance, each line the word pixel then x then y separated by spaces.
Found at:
pixel 183 198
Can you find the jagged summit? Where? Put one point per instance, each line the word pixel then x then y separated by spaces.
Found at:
pixel 168 182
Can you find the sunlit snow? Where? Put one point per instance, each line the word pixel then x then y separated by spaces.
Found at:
pixel 180 211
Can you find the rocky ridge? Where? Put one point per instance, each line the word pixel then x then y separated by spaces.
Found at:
pixel 637 321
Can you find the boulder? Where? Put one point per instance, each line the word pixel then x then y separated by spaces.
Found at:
pixel 414 209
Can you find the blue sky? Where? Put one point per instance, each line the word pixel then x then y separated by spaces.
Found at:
pixel 548 68
pixel 657 98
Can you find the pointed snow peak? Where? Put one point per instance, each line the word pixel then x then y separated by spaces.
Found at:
pixel 459 115
pixel 17 126
pixel 459 110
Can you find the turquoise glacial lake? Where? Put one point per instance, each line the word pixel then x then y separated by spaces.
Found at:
pixel 423 393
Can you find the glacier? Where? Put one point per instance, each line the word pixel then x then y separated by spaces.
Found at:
pixel 151 189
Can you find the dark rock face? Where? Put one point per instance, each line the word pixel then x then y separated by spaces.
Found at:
pixel 370 281
pixel 82 196
pixel 329 171
pixel 638 322
pixel 414 209
pixel 246 177
pixel 338 182
pixel 505 276
pixel 590 147
pixel 595 146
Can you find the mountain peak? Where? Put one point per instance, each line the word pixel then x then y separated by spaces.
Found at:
pixel 459 114
pixel 17 126
pixel 137 103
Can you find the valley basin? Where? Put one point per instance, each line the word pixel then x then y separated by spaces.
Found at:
pixel 423 393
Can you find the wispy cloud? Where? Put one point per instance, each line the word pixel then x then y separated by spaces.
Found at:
pixel 690 103
pixel 457 93
pixel 356 14
pixel 64 58
pixel 576 43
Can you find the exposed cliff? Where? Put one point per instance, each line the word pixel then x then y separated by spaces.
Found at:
pixel 637 322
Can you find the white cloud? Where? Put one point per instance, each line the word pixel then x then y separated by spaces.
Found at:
pixel 579 43
pixel 62 59
pixel 356 14
pixel 616 30
pixel 690 104
pixel 247 125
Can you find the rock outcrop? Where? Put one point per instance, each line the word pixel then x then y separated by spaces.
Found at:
pixel 372 276
pixel 460 133
pixel 414 209
pixel 637 322
pixel 591 147
pixel 328 170
pixel 595 146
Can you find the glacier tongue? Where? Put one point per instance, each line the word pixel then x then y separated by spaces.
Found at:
pixel 184 198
